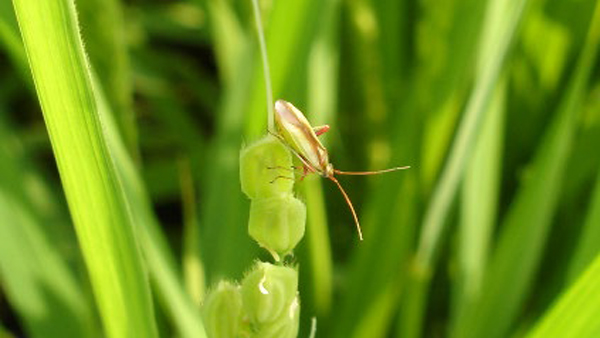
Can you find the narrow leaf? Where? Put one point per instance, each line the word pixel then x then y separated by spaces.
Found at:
pixel 105 231
pixel 575 314
pixel 526 226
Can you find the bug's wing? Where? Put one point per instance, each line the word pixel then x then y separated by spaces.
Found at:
pixel 297 132
pixel 302 159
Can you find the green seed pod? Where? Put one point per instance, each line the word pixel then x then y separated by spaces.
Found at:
pixel 260 165
pixel 285 326
pixel 268 292
pixel 277 223
pixel 222 311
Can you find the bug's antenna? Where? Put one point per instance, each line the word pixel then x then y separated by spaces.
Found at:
pixel 340 172
pixel 265 61
pixel 360 236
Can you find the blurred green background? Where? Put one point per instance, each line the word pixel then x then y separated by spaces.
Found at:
pixel 494 104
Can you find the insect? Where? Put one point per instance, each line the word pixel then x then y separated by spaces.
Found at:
pixel 294 131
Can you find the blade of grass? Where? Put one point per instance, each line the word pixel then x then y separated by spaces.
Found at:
pixel 34 273
pixel 228 38
pixel 392 228
pixel 380 270
pixel 323 69
pixel 224 241
pixel 583 168
pixel 446 52
pixel 265 65
pixel 102 222
pixel 575 314
pixel 223 238
pixel 480 195
pixel 376 320
pixel 9 37
pixel 106 46
pixel 525 228
pixel 588 248
pixel 377 268
pixel 366 56
pixel 287 47
pixel 193 269
pixel 320 262
pixel 160 261
pixel 501 21
pixel 36 280
pixel 394 35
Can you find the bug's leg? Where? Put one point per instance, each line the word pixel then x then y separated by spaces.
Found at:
pixel 290 168
pixel 305 171
pixel 320 130
pixel 281 177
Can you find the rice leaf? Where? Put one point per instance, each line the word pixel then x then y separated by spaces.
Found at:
pixel 103 224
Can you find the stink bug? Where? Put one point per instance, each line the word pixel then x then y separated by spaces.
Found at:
pixel 294 130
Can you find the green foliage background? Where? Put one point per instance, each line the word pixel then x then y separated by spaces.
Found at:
pixel 495 104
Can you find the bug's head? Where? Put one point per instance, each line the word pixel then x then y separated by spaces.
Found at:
pixel 329 171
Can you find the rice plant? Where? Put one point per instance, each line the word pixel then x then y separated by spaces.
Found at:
pixel 122 211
